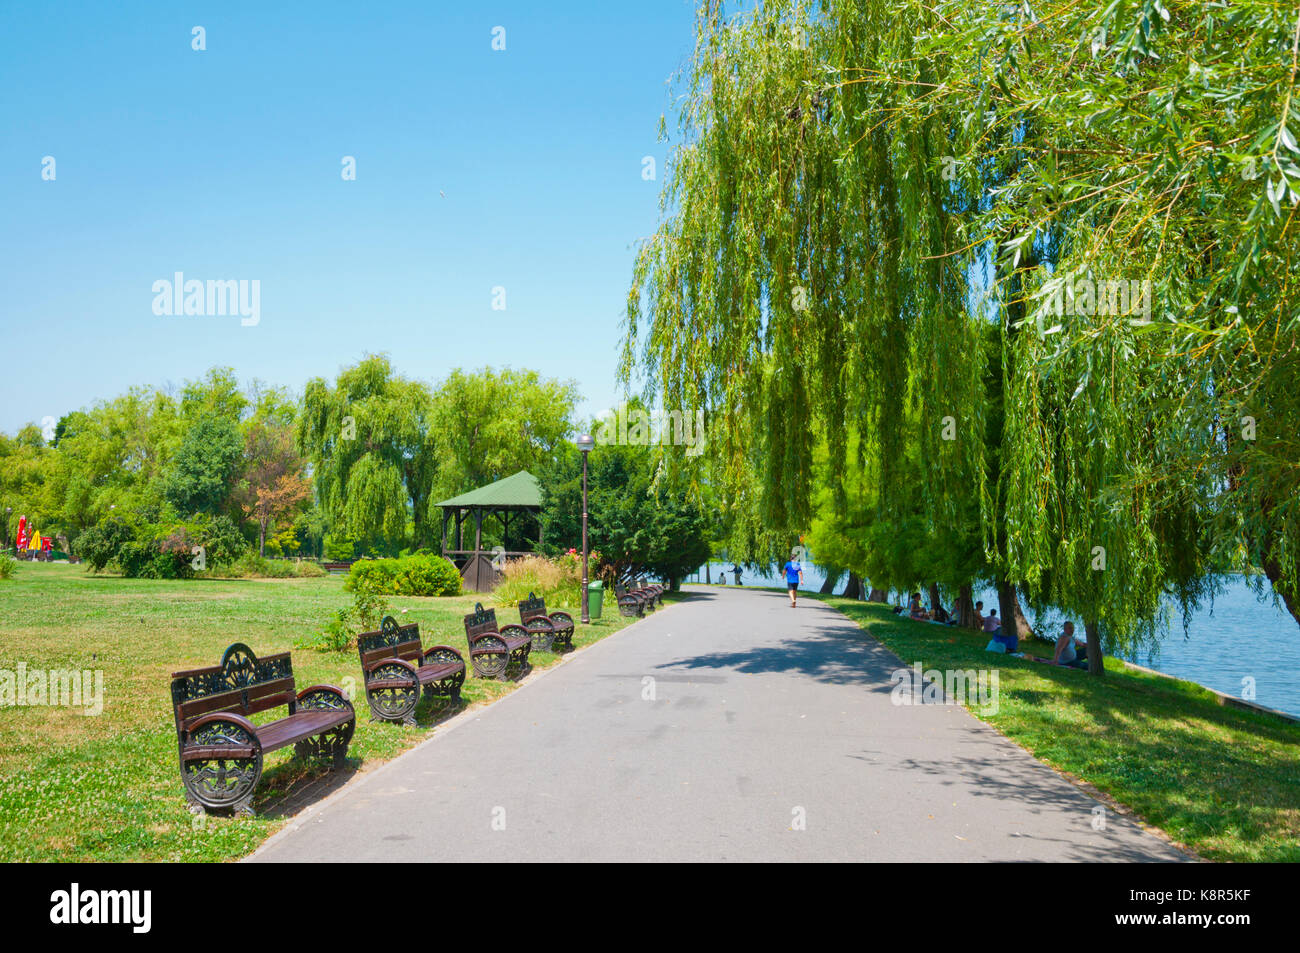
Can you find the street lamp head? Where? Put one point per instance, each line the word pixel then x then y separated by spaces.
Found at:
pixel 585 442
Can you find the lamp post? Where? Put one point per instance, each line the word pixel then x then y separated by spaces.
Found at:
pixel 585 443
pixel 8 512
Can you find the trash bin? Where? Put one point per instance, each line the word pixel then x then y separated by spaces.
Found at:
pixel 595 598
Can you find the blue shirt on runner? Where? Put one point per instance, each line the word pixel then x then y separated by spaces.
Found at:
pixel 792 570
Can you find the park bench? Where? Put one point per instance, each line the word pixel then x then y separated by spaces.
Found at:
pixel 555 629
pixel 342 566
pixel 629 603
pixel 221 750
pixel 655 591
pixel 397 668
pixel 493 651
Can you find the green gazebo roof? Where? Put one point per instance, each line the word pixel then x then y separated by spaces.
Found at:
pixel 520 489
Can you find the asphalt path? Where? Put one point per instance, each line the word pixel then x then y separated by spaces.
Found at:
pixel 727 727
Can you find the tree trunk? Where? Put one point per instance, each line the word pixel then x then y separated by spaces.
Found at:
pixel 832 577
pixel 878 595
pixel 964 609
pixel 935 604
pixel 1009 609
pixel 1274 573
pixel 853 588
pixel 261 539
pixel 1095 658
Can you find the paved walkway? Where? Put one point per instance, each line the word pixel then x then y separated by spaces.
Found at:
pixel 764 720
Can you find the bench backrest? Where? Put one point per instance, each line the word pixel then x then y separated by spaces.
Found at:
pixel 391 641
pixel 479 621
pixel 242 683
pixel 532 608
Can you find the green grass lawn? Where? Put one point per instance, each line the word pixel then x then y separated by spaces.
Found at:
pixel 1222 781
pixel 76 787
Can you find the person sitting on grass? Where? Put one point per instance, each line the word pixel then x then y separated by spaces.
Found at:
pixel 1070 651
pixel 991 624
pixel 915 610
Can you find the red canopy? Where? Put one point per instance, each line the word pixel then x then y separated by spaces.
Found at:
pixel 23 539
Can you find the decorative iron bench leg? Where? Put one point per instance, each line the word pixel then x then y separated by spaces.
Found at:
pixel 332 744
pixel 394 702
pixel 222 782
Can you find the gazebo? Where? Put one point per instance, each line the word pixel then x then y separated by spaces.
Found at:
pixel 506 499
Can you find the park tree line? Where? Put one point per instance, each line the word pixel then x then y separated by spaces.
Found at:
pixel 990 293
pixel 349 467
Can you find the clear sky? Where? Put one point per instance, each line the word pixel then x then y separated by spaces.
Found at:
pixel 475 169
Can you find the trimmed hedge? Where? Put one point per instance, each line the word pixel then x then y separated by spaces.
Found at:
pixel 421 574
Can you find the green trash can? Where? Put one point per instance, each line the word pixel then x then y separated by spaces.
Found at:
pixel 595 598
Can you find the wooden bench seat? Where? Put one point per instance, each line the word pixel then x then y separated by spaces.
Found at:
pixel 493 651
pixel 549 630
pixel 221 750
pixel 397 669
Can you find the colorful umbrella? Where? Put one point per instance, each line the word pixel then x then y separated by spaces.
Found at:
pixel 22 532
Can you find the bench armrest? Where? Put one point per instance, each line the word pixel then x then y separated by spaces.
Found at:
pixel 324 696
pixel 443 650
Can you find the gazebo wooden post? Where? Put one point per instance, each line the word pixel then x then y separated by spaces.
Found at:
pixel 445 517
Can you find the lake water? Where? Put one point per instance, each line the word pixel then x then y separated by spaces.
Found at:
pixel 1241 637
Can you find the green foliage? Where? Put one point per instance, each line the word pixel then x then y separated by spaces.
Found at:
pixel 7 566
pixel 488 425
pixel 156 545
pixel 205 465
pixel 639 524
pixel 420 574
pixel 922 175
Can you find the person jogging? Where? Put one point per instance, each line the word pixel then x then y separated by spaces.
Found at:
pixel 793 576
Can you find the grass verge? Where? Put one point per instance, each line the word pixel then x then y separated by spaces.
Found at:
pixel 76 788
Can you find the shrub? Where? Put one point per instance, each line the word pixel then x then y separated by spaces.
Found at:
pixel 558 581
pixel 422 574
pixel 7 566
pixel 149 545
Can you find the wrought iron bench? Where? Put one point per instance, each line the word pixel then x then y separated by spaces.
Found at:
pixel 493 651
pixel 553 629
pixel 221 751
pixel 397 668
pixel 652 589
pixel 629 603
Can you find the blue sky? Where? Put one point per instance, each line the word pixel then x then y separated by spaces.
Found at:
pixel 225 164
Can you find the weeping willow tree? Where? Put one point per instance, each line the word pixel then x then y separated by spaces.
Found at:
pixel 372 461
pixel 1153 147
pixel 861 187
pixel 800 286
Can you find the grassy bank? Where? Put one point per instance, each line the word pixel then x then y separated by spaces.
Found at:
pixel 1224 782
pixel 75 787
